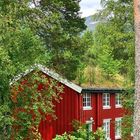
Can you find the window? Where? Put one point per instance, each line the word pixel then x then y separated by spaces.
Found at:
pixel 87 101
pixel 118 100
pixel 106 100
pixel 106 128
pixel 118 128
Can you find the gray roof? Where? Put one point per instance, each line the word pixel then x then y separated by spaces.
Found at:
pixel 102 90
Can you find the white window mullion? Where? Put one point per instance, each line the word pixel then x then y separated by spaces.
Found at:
pixel 106 101
pixel 118 103
pixel 118 122
pixel 87 101
pixel 106 128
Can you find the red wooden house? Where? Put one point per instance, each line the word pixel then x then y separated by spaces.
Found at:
pixel 98 107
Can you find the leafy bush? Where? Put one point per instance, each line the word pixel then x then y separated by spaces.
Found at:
pixel 82 134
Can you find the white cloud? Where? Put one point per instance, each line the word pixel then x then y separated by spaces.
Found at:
pixel 89 7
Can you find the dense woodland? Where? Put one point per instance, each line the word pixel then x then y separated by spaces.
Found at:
pixel 109 59
pixel 52 33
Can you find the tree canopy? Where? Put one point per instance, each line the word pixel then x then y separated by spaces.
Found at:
pixel 110 54
pixel 32 32
pixel 117 27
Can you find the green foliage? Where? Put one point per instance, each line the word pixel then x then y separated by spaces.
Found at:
pixel 110 54
pixel 127 121
pixel 76 125
pixel 116 30
pixel 128 99
pixel 80 78
pixel 127 127
pixel 81 133
pixel 18 44
pixel 60 29
pixel 65 136
pixel 30 32
pixel 101 68
pixel 32 101
pixel 110 48
pixel 5 122
pixel 107 63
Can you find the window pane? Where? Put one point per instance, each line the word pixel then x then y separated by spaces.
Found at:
pixel 86 100
pixel 84 104
pixel 117 99
pixel 106 128
pixel 106 99
pixel 88 104
pixel 118 127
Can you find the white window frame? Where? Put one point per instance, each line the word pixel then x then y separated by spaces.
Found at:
pixel 87 101
pixel 106 100
pixel 118 122
pixel 106 128
pixel 118 102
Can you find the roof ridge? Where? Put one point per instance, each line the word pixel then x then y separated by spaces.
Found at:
pixel 51 73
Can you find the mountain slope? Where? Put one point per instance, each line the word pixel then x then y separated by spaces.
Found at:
pixel 90 23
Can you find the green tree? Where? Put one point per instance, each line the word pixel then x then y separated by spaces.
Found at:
pixel 127 121
pixel 106 62
pixel 59 25
pixel 101 67
pixel 46 32
pixel 20 47
pixel 85 60
pixel 116 30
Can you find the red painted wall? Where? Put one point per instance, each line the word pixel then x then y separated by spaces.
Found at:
pixel 87 114
pixel 66 111
pixel 99 114
pixel 112 114
pixel 71 108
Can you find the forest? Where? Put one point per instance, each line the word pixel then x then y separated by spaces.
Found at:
pixel 52 33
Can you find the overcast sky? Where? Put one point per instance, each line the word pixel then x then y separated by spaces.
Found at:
pixel 89 7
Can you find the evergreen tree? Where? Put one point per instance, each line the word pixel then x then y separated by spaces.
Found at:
pixel 59 24
pixel 116 30
pixel 46 32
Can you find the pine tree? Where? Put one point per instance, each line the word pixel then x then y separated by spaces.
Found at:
pixel 137 74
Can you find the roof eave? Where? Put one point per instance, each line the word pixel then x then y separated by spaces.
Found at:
pixel 102 90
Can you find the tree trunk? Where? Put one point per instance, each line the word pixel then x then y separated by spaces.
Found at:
pixel 137 71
